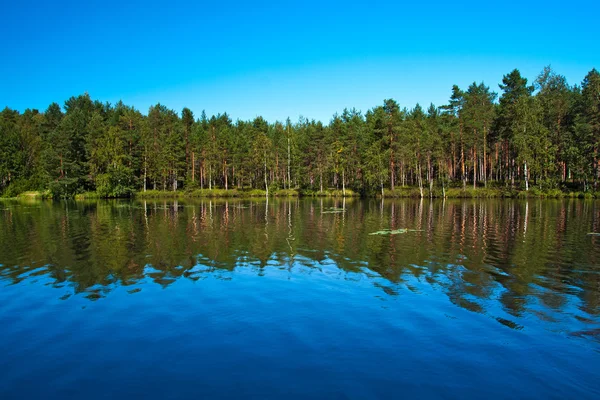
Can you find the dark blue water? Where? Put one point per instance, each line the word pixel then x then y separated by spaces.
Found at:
pixel 229 300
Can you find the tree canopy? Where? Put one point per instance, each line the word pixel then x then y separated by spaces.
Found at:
pixel 545 134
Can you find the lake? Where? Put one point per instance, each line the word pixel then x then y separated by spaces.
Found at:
pixel 300 298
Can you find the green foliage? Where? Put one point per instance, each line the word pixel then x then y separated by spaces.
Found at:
pixel 286 193
pixel 402 192
pixel 17 187
pixel 330 193
pixel 555 194
pixel 547 141
pixel 88 196
pixel 117 182
pixel 157 194
pixel 202 193
pixel 215 193
pixel 255 193
pixel 35 195
pixel 64 188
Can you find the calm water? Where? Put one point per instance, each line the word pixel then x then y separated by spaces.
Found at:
pixel 296 299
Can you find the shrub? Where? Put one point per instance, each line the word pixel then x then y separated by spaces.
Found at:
pixel 152 194
pixel 117 182
pixel 255 193
pixel 286 193
pixel 87 196
pixel 330 193
pixel 555 193
pixel 35 195
pixel 402 192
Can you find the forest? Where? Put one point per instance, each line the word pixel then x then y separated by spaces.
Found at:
pixel 539 137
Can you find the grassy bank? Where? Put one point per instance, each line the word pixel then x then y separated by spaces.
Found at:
pixel 401 192
pixel 88 196
pixel 34 195
pixel 397 193
pixel 329 193
pixel 486 193
pixel 216 193
pixel 247 193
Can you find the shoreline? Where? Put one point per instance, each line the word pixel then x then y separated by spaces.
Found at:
pixel 398 193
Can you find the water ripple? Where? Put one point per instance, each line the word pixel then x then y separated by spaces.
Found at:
pixel 481 296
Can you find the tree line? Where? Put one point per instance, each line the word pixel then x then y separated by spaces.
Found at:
pixel 545 134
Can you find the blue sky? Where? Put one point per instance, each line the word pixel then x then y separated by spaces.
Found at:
pixel 283 58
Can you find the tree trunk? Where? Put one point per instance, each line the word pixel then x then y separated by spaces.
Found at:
pixel 474 167
pixel 225 173
pixel 321 180
pixel 512 173
pixel 526 176
pixel 462 165
pixel 462 157
pixel 289 162
pixel 418 170
pixel 392 166
pixel 193 166
pixel 202 173
pixel 266 184
pixel 484 160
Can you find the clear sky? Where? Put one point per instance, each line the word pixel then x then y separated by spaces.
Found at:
pixel 283 58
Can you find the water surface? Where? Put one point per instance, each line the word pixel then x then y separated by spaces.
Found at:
pixel 298 298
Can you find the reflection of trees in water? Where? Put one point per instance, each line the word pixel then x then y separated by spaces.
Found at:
pixel 518 255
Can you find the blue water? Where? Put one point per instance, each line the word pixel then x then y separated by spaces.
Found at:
pixel 293 326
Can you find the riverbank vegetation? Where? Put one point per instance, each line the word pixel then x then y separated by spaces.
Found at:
pixel 539 140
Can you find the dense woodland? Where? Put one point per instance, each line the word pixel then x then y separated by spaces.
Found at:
pixel 544 135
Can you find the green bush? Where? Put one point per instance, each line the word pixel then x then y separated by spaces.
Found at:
pixel 35 195
pixel 255 193
pixel 555 193
pixel 87 196
pixel 65 188
pixel 455 193
pixel 535 192
pixel 154 194
pixel 402 192
pixel 286 193
pixel 17 187
pixel 117 182
pixel 329 193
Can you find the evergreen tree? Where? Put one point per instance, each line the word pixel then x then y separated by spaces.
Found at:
pixel 547 139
